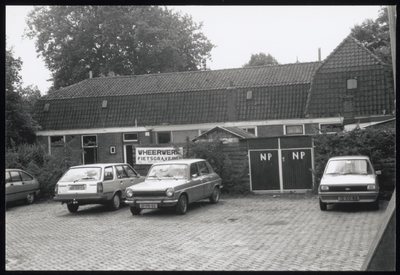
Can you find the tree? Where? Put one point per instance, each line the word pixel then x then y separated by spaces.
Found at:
pixel 121 40
pixel 261 59
pixel 20 127
pixel 375 36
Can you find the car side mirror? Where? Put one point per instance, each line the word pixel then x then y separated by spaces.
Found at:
pixel 378 172
pixel 138 175
pixel 194 176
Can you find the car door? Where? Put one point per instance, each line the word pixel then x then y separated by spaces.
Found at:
pixel 9 188
pixel 196 191
pixel 133 176
pixel 19 185
pixel 207 178
pixel 123 179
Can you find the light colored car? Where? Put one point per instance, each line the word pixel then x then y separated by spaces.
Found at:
pixel 102 183
pixel 20 185
pixel 349 179
pixel 175 183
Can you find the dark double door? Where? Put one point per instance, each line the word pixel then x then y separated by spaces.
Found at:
pixel 281 168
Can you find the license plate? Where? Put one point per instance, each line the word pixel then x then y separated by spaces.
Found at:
pixel 148 205
pixel 348 198
pixel 77 187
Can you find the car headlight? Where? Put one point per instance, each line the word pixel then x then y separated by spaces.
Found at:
pixel 324 188
pixel 129 193
pixel 371 187
pixel 169 192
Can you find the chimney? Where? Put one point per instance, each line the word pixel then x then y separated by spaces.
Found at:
pixel 231 102
pixel 319 54
pixel 90 74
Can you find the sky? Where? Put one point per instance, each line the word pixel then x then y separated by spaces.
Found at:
pixel 288 33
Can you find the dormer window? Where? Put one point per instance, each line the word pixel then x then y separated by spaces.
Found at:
pixel 352 84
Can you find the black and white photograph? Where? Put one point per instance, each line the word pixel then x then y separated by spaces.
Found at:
pixel 200 138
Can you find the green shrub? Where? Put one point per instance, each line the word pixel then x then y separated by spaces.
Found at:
pixel 212 151
pixel 45 168
pixel 378 145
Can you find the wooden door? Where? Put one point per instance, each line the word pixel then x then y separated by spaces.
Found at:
pixel 264 170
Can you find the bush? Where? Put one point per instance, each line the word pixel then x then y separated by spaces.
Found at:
pixel 378 145
pixel 212 151
pixel 45 168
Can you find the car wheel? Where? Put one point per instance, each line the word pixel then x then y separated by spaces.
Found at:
pixel 30 198
pixel 375 205
pixel 115 202
pixel 135 211
pixel 322 205
pixel 72 207
pixel 214 198
pixel 181 207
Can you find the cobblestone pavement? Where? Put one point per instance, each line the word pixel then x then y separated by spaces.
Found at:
pixel 259 233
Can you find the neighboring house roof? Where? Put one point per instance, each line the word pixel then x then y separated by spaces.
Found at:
pixel 278 92
pixel 228 132
pixel 351 60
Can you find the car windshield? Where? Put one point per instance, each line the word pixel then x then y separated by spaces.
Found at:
pixel 176 171
pixel 354 166
pixel 84 173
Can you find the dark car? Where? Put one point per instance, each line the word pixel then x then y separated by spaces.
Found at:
pixel 175 184
pixel 20 185
pixel 102 183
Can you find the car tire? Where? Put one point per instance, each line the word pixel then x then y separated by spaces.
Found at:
pixel 135 211
pixel 72 207
pixel 375 205
pixel 30 198
pixel 322 205
pixel 182 205
pixel 214 198
pixel 115 202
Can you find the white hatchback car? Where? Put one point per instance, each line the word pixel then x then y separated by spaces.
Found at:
pixel 349 179
pixel 102 183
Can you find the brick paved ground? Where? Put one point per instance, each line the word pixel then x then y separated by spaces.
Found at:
pixel 258 233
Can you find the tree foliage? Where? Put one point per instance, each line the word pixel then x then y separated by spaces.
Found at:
pixel 117 40
pixel 375 36
pixel 261 59
pixel 20 127
pixel 378 145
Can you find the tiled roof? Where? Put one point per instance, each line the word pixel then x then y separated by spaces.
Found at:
pixel 278 92
pixel 234 131
pixel 350 60
pixel 261 76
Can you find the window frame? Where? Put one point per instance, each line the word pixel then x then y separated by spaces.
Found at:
pixel 164 132
pixel 130 140
pixel 285 127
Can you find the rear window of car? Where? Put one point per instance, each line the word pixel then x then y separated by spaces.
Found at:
pixel 353 166
pixel 84 173
pixel 25 176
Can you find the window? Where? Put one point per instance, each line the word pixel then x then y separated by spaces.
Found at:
pixel 164 137
pixel 89 141
pixel 8 177
pixel 203 168
pixel 121 172
pixel 25 176
pixel 104 104
pixel 131 173
pixel 331 128
pixel 57 140
pixel 15 176
pixel 294 129
pixel 194 170
pixel 130 137
pixel 351 84
pixel 46 107
pixel 250 130
pixel 108 173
